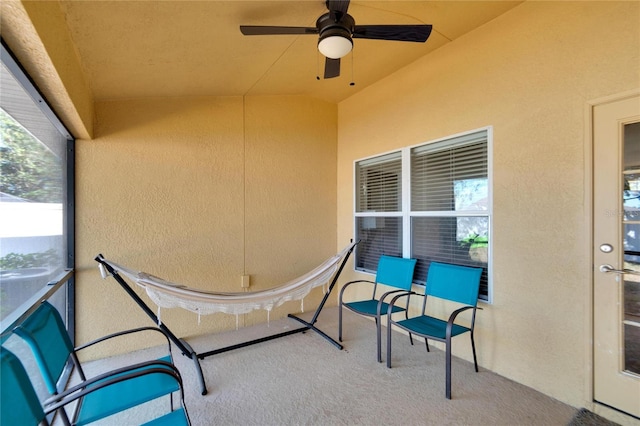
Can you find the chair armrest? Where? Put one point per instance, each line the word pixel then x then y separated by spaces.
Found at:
pixel 384 296
pixel 72 394
pixel 353 282
pixel 453 316
pixel 392 302
pixel 117 375
pixel 124 333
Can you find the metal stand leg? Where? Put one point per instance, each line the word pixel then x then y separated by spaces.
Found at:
pixel 181 344
pixel 310 326
pixel 311 323
pixel 196 361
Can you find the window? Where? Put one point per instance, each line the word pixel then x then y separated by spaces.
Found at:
pixel 431 202
pixel 36 193
pixel 379 207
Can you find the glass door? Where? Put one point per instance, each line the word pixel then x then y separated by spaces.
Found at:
pixel 617 254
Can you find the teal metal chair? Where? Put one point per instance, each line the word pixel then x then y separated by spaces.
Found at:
pixel 454 283
pixel 393 272
pixel 46 335
pixel 19 404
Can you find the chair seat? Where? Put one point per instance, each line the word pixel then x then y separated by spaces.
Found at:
pixel 430 326
pixel 174 418
pixel 126 394
pixel 370 307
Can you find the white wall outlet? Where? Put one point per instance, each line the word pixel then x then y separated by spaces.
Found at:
pixel 244 283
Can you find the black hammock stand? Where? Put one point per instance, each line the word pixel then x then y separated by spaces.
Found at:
pixel 190 353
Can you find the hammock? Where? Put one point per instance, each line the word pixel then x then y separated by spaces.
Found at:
pixel 167 294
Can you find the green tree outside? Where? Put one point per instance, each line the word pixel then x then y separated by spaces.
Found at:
pixel 28 169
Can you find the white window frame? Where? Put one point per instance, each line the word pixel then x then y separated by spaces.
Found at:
pixel 406 214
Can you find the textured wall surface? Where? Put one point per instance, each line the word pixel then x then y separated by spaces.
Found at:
pixel 201 191
pixel 49 56
pixel 529 74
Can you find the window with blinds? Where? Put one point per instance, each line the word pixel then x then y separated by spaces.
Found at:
pixel 449 204
pixel 447 210
pixel 379 209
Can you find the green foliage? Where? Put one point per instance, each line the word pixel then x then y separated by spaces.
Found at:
pixel 28 169
pixel 30 260
pixel 475 241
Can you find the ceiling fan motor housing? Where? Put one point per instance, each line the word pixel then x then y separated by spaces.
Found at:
pixel 340 28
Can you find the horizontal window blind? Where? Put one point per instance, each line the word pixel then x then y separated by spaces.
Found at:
pixel 378 236
pixel 460 240
pixel 379 184
pixel 440 177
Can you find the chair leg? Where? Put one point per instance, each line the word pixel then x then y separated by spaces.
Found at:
pixel 473 348
pixel 426 342
pixel 389 344
pixel 379 337
pixel 448 368
pixel 78 366
pixel 76 412
pixel 64 417
pixel 406 316
pixel 340 321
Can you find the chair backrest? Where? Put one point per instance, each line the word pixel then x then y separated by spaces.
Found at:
pixel 453 282
pixel 19 404
pixel 45 333
pixel 395 272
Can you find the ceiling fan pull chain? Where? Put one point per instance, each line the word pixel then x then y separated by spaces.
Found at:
pixel 352 82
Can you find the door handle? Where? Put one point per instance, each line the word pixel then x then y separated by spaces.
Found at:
pixel 608 269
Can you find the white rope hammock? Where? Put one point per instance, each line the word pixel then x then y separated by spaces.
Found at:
pixel 167 294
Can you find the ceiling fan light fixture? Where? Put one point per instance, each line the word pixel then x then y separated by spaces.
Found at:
pixel 335 43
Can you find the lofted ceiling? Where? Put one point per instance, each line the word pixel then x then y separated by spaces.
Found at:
pixel 151 48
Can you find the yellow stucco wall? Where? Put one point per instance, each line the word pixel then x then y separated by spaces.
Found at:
pixel 201 191
pixel 529 74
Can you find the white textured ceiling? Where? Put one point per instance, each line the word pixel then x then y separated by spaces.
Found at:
pixel 152 48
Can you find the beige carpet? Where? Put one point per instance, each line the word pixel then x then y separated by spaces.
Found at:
pixel 303 380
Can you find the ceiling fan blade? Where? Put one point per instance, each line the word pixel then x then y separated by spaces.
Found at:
pixel 271 30
pixel 338 6
pixel 417 33
pixel 331 68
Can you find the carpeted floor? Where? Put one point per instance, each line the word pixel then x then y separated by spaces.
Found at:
pixel 303 380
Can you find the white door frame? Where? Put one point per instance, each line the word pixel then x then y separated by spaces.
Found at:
pixel 590 404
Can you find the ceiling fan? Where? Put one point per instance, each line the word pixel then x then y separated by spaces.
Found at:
pixel 337 28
